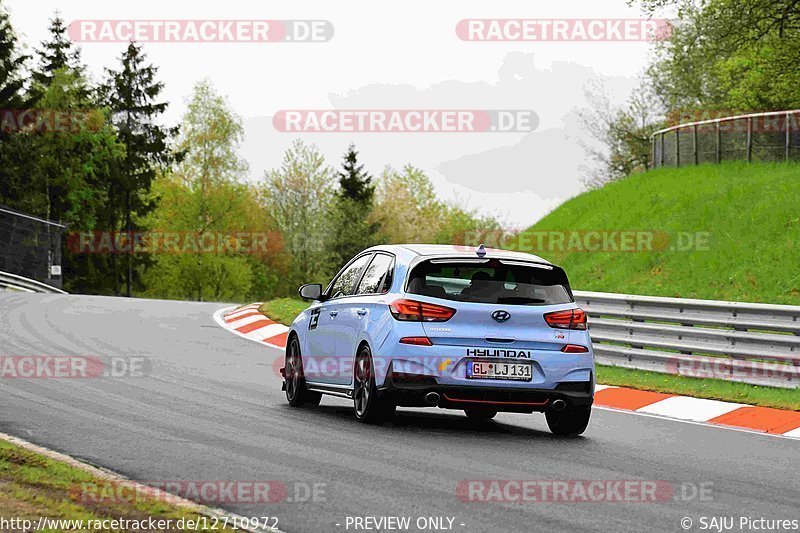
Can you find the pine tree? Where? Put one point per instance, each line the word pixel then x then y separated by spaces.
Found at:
pixel 11 64
pixel 131 93
pixel 355 184
pixel 353 229
pixel 57 54
pixel 14 187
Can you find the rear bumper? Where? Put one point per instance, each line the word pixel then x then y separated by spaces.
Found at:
pixel 411 391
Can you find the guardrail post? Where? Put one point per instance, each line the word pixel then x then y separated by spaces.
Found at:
pixel 719 143
pixel 749 139
pixel 694 143
pixel 637 346
pixel 788 135
pixel 677 147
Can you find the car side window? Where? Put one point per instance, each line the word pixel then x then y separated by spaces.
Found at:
pixel 375 277
pixel 343 285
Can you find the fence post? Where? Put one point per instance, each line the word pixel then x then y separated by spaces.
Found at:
pixel 653 150
pixel 788 135
pixel 749 139
pixel 662 150
pixel 694 143
pixel 677 147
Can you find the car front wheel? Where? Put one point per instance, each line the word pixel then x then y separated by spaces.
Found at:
pixel 369 406
pixel 296 392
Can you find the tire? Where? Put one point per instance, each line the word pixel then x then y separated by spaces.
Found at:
pixel 480 413
pixel 570 422
pixel 297 394
pixel 368 405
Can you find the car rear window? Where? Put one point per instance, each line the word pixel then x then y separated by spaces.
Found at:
pixel 491 281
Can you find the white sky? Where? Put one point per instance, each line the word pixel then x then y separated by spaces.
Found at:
pixel 391 55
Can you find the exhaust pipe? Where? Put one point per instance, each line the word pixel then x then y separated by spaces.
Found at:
pixel 432 398
pixel 559 405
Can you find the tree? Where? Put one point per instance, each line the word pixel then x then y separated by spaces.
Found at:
pixel 14 187
pixel 70 173
pixel 621 136
pixel 464 226
pixel 55 55
pixel 408 211
pixel 73 167
pixel 12 64
pixel 354 183
pixel 132 94
pixel 206 196
pixel 406 207
pixel 734 55
pixel 352 229
pixel 299 195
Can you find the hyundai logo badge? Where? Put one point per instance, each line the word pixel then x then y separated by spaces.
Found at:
pixel 501 316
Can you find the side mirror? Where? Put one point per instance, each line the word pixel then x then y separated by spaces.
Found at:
pixel 311 291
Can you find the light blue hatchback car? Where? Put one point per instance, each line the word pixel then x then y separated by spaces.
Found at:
pixel 474 329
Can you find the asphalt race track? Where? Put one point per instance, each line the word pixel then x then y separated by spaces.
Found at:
pixel 211 408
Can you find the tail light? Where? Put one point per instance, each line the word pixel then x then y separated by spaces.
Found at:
pixel 416 341
pixel 413 311
pixel 569 319
pixel 574 348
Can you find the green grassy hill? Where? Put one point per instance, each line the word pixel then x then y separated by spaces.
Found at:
pixel 751 213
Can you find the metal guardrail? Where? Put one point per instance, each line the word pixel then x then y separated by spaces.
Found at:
pixel 746 342
pixel 13 281
pixel 770 136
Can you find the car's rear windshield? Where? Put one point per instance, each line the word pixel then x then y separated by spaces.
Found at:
pixel 491 281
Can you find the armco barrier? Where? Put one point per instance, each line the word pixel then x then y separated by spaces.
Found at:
pixel 26 285
pixel 748 342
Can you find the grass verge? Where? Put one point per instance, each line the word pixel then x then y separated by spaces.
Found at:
pixel 720 232
pixel 285 310
pixel 34 486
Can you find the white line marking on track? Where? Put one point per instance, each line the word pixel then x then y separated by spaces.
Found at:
pixel 598 387
pixel 236 324
pixel 218 318
pixel 266 332
pixel 687 408
pixel 236 314
pixel 692 422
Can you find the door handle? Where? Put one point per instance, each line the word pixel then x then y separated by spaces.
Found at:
pixel 361 312
pixel 334 313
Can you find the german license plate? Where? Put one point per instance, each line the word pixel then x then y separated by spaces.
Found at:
pixel 499 370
